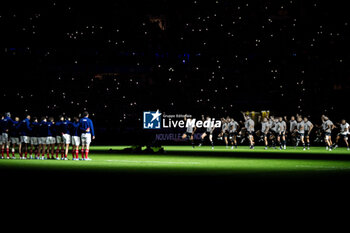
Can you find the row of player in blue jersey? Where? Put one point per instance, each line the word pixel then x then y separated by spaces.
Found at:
pixel 273 131
pixel 45 137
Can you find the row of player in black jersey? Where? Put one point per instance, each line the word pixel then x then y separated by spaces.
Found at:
pixel 276 131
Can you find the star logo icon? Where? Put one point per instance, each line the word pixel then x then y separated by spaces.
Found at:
pixel 156 116
pixel 152 120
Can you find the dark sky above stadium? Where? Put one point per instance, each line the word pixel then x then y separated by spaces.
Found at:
pixel 117 59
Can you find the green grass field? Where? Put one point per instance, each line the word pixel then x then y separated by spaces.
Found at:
pixel 184 161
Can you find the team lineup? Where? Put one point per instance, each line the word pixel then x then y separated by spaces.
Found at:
pixel 47 139
pixel 273 132
pixel 34 139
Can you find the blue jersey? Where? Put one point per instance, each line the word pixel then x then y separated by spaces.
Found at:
pixel 6 124
pixel 35 129
pixel 25 127
pixel 14 129
pixel 50 129
pixel 42 129
pixel 65 126
pixel 85 124
pixel 75 130
pixel 58 128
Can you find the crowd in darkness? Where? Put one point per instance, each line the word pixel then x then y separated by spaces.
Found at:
pixel 218 57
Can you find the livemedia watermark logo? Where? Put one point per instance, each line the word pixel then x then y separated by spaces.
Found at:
pixel 157 120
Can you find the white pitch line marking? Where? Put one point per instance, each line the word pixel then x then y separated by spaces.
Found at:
pixel 324 167
pixel 158 162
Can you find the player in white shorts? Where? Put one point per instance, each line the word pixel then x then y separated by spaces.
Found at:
pixel 42 138
pixel 6 124
pixel 85 139
pixel 14 136
pixel 34 140
pixel 344 132
pixel 87 132
pixel 25 130
pixel 59 139
pixel 75 132
pixel 65 127
pixel 50 139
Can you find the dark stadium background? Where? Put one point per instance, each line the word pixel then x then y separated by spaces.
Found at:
pixel 118 59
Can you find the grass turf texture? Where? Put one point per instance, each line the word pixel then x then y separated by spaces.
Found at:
pixel 184 162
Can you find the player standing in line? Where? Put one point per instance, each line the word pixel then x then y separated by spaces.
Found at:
pixel 25 130
pixel 7 122
pixel 87 132
pixel 249 125
pixel 59 139
pixel 34 141
pixel 301 130
pixel 281 130
pixel 292 127
pixel 50 139
pixel 2 130
pixel 265 127
pixel 42 138
pixel 190 130
pixel 308 127
pixel 14 136
pixel 233 132
pixel 344 131
pixel 208 132
pixel 75 133
pixel 327 126
pixel 65 126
